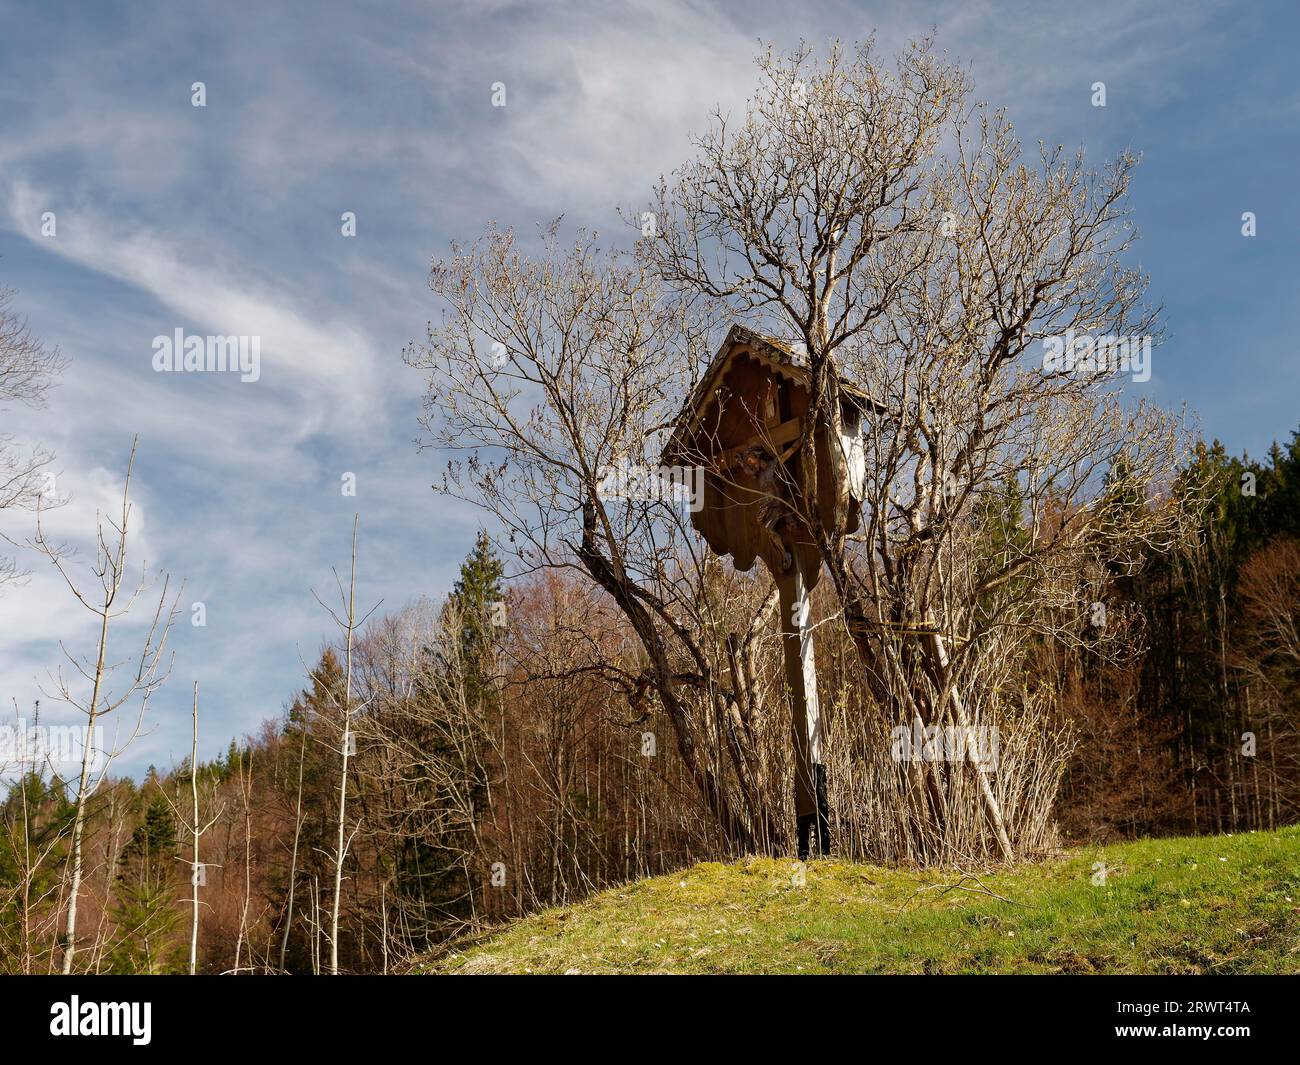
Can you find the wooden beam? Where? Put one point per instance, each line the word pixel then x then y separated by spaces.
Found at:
pixel 801 683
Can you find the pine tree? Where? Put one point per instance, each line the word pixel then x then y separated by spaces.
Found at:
pixel 145 913
pixel 35 820
pixel 478 599
pixel 430 877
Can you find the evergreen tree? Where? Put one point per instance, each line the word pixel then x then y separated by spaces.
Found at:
pixel 35 821
pixel 146 914
pixel 430 876
pixel 478 600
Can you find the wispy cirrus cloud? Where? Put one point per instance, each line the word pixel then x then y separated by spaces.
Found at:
pixel 226 220
pixel 329 363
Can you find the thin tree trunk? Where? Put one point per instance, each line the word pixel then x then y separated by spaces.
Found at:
pixel 246 793
pixel 194 863
pixel 297 835
pixel 991 806
pixel 110 867
pixel 79 818
pixel 26 964
pixel 343 774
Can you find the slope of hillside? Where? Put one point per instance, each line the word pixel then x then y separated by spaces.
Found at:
pixel 1217 904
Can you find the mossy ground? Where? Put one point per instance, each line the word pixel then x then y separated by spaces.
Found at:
pixel 1211 904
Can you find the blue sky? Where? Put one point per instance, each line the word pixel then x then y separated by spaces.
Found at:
pixel 226 220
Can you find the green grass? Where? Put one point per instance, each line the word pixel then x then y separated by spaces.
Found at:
pixel 1216 904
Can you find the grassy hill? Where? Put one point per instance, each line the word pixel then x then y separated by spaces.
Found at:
pixel 1217 904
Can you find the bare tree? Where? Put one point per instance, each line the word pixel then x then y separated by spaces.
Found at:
pixel 1269 658
pixel 299 819
pixel 110 598
pixel 27 371
pixel 423 775
pixel 196 830
pixel 245 783
pixel 193 822
pixel 33 840
pixel 890 234
pixel 348 624
pixel 563 411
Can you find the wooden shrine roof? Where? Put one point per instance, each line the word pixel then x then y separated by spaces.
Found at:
pixel 784 360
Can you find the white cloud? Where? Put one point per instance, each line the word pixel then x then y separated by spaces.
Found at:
pixel 325 359
pixel 43 612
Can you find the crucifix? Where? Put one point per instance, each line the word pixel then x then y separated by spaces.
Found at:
pixel 744 426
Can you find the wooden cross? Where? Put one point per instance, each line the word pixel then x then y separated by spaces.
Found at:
pixel 744 424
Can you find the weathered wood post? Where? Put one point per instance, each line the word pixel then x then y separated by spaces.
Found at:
pixel 806 720
pixel 743 426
